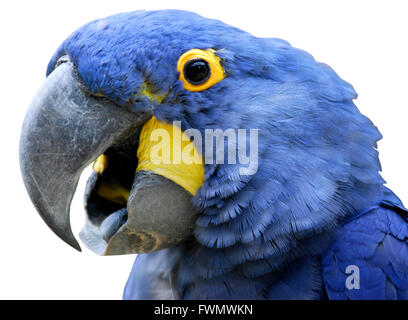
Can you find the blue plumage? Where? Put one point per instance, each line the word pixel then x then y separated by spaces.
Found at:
pixel 287 231
pixel 375 241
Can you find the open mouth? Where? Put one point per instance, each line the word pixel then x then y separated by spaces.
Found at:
pixel 107 193
pixel 131 203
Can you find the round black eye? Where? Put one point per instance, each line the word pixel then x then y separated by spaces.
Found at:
pixel 197 71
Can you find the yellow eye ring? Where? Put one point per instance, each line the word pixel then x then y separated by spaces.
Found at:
pixel 199 69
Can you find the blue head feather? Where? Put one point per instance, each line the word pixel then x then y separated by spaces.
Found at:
pixel 318 162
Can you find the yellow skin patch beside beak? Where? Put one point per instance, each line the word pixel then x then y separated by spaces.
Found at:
pixel 146 90
pixel 167 151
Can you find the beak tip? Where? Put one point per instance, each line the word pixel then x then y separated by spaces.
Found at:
pixel 69 239
pixel 76 246
pixel 63 232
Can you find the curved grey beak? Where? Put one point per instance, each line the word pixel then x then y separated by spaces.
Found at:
pixel 66 129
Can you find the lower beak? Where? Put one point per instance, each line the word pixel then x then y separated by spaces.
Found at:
pixel 64 131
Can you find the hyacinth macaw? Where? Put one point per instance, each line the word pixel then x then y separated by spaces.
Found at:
pixel 315 213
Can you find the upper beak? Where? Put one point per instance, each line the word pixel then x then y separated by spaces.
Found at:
pixel 65 130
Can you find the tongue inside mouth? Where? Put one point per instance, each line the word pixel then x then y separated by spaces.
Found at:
pixel 112 224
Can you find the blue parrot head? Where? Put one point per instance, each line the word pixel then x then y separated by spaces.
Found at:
pixel 317 158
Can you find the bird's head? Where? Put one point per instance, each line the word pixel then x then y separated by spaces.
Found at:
pixel 111 77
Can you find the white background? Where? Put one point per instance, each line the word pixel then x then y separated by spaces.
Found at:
pixel 364 41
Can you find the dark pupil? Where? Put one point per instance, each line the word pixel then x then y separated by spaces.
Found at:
pixel 197 71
